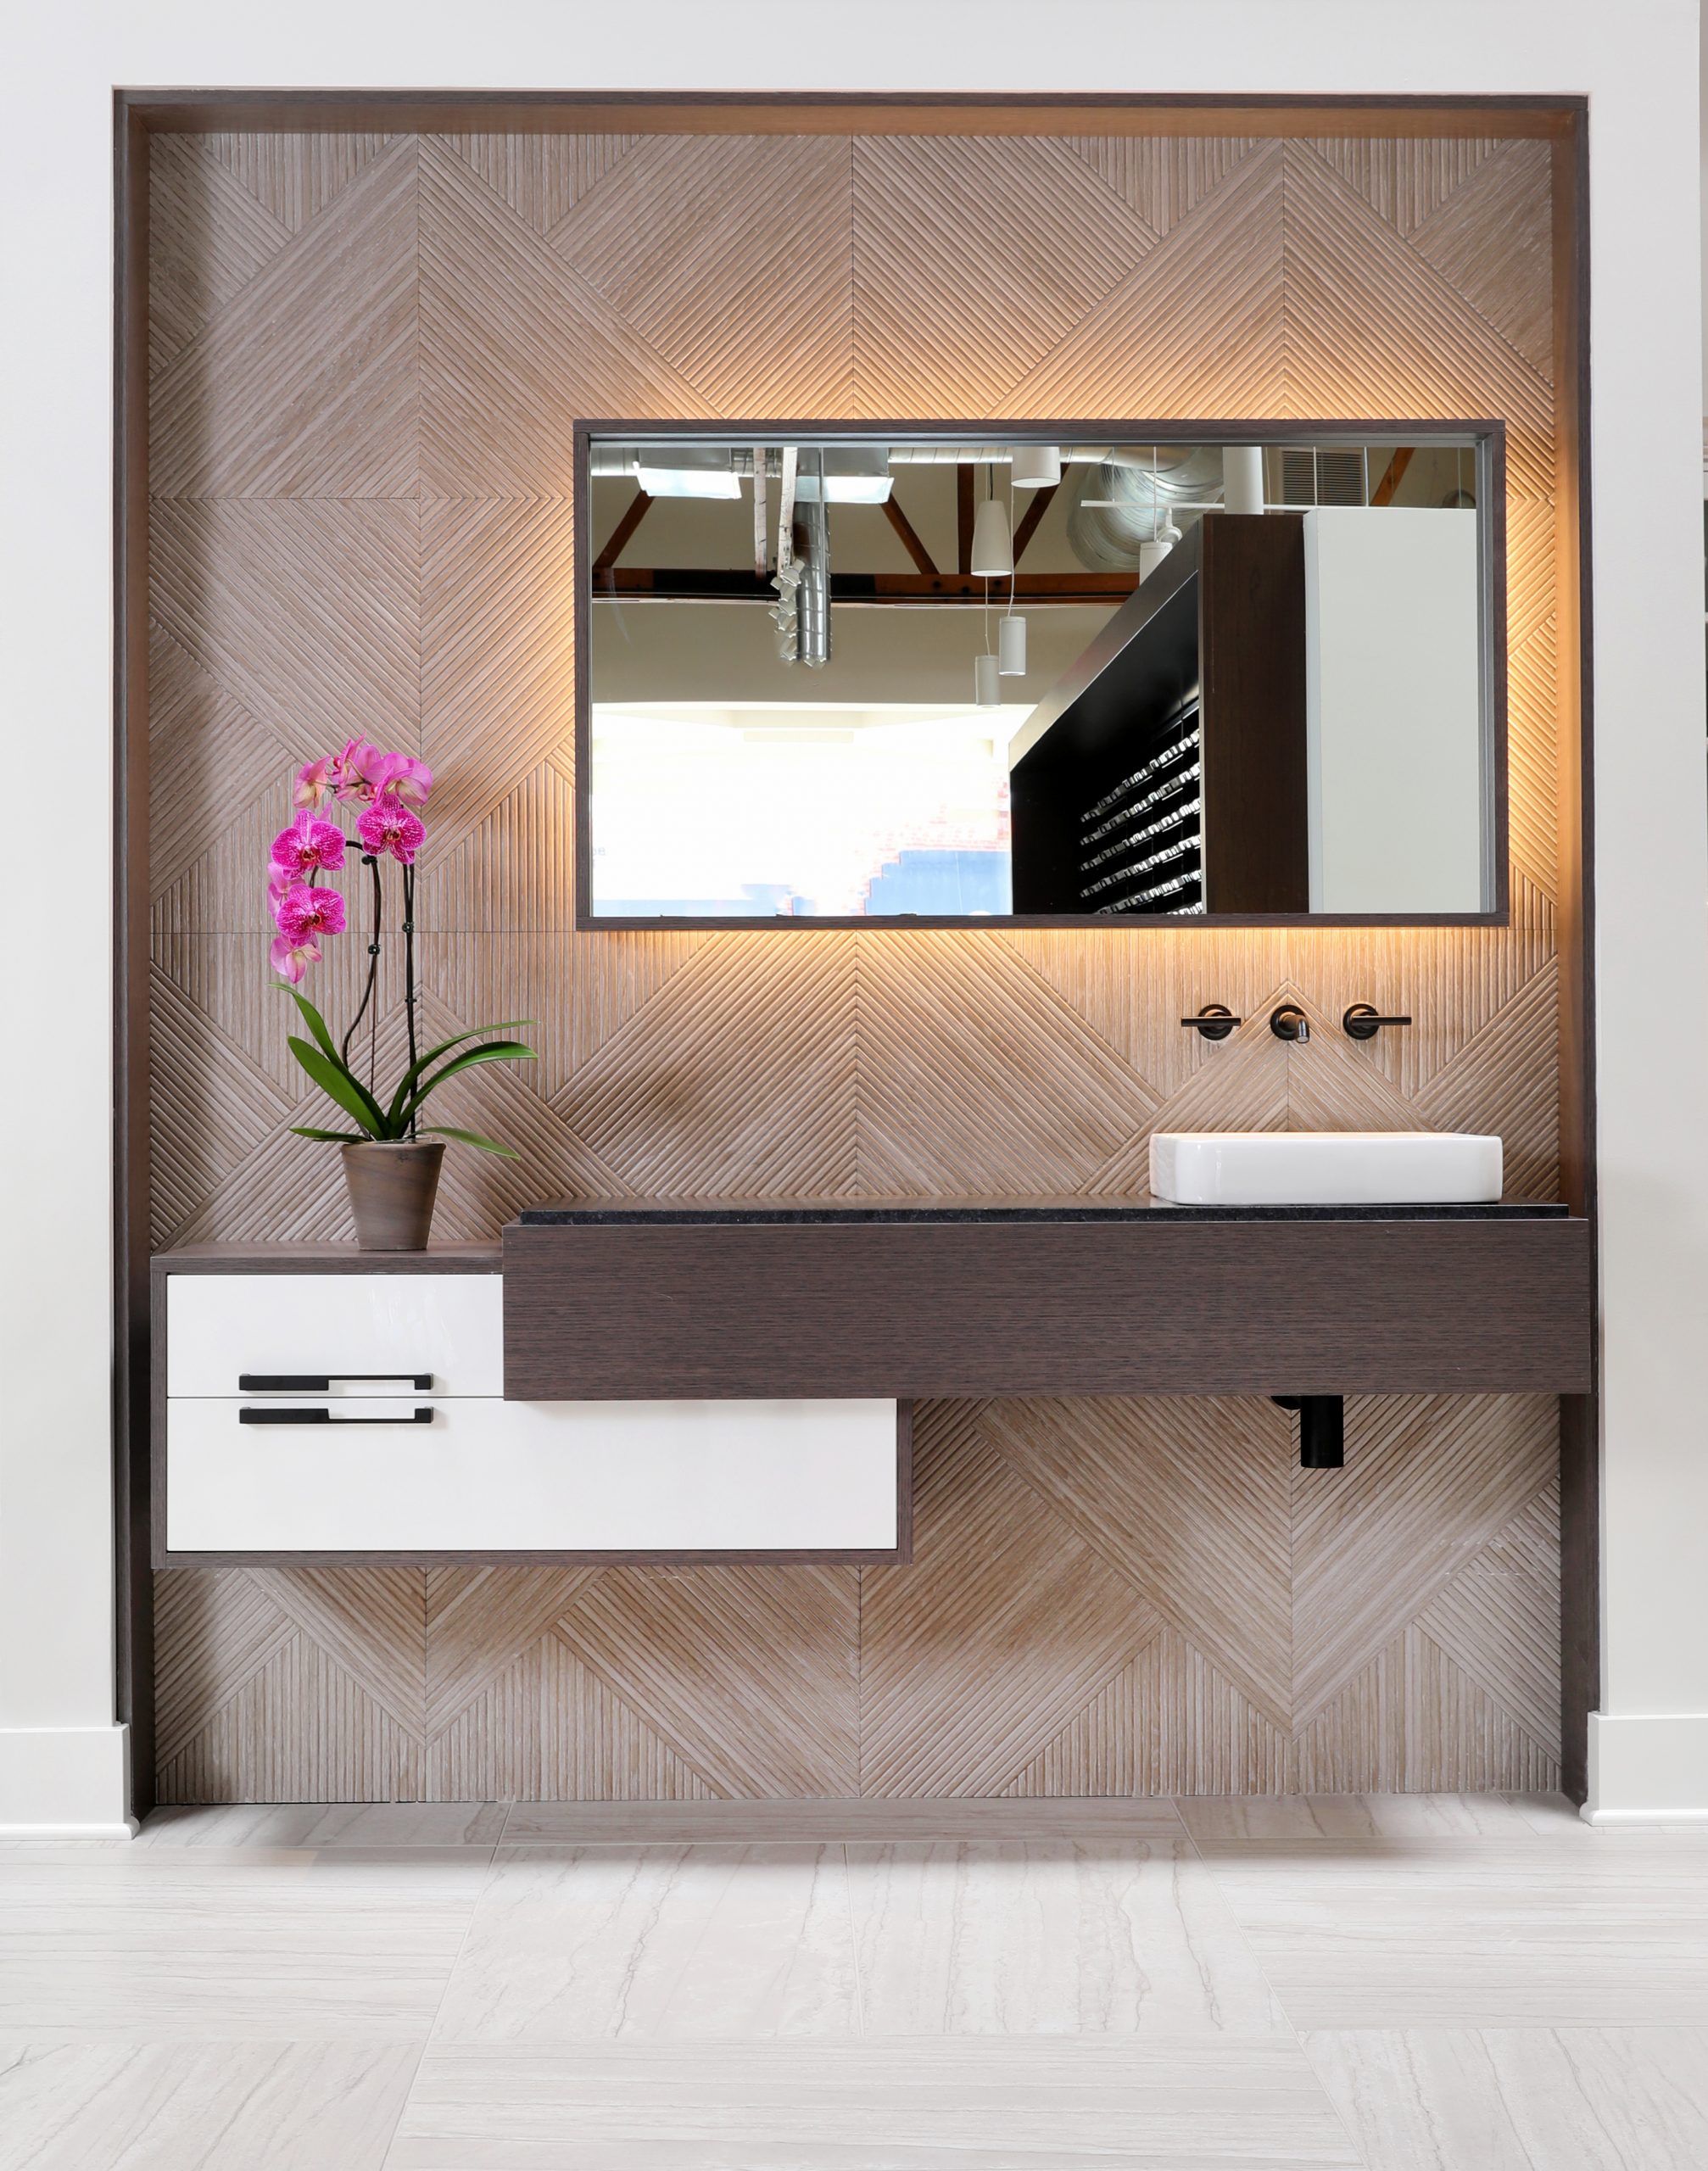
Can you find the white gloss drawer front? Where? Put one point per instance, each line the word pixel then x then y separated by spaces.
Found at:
pixel 352 1334
pixel 476 1475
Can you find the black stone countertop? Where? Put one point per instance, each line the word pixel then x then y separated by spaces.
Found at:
pixel 573 1213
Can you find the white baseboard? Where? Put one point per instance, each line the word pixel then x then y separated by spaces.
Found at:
pixel 65 1782
pixel 1647 1768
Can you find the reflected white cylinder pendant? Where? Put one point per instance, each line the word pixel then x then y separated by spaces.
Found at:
pixel 993 547
pixel 986 693
pixel 1010 648
pixel 1037 466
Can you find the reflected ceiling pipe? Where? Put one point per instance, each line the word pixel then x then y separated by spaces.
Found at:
pixel 1243 478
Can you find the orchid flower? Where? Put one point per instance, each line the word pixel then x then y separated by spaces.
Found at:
pixel 389 827
pixel 309 844
pixel 401 776
pixel 315 781
pixel 303 913
pixel 290 962
pixel 354 767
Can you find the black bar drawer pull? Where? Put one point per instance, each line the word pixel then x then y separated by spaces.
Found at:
pixel 319 1415
pixel 322 1383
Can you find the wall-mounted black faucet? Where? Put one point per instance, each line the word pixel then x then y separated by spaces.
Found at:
pixel 1214 1022
pixel 1289 1023
pixel 1361 1022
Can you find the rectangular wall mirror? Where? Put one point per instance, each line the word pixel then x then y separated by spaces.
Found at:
pixel 1073 675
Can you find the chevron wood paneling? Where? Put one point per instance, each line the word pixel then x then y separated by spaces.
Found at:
pixel 367 356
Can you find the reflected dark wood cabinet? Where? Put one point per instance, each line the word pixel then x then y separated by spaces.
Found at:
pixel 1169 776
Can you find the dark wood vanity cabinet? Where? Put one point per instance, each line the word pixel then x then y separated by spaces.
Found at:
pixel 622 1298
pixel 1168 775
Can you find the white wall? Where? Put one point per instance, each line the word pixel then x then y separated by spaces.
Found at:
pixel 1637 60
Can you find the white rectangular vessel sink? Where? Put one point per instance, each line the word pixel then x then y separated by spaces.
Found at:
pixel 1324 1168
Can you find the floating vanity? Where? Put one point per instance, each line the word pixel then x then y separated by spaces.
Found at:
pixel 714 1380
pixel 1043 1297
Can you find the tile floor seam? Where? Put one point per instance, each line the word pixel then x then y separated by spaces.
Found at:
pixel 444 1991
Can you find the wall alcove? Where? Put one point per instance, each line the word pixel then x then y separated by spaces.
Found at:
pixel 359 335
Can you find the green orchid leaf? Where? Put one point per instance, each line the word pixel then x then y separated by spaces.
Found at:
pixel 493 1052
pixel 340 1084
pixel 331 1138
pixel 317 1024
pixel 472 1138
pixel 407 1082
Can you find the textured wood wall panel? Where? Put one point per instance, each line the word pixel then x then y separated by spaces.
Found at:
pixel 368 353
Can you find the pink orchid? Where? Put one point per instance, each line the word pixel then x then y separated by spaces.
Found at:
pixel 354 769
pixel 292 962
pixel 314 780
pixel 308 844
pixel 303 913
pixel 388 826
pixel 401 776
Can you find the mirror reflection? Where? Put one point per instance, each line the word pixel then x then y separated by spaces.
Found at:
pixel 843 679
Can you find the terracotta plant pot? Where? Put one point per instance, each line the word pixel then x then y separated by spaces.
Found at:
pixel 392 1191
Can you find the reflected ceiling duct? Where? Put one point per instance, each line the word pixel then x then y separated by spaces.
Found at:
pixel 802 578
pixel 813 614
pixel 1119 509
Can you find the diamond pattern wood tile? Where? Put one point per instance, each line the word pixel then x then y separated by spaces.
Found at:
pixel 949 310
pixel 304 384
pixel 542 177
pixel 1195 329
pixel 696 240
pixel 369 355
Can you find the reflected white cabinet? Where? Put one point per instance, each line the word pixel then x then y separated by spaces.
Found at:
pixel 359 1414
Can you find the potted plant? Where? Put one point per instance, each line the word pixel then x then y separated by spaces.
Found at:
pixel 390 1169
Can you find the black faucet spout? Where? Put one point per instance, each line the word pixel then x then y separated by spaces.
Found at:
pixel 1287 1022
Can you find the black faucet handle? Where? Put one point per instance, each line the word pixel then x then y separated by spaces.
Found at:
pixel 1214 1022
pixel 1362 1023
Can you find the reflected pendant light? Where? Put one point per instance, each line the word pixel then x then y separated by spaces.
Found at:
pixel 1037 466
pixel 993 546
pixel 1011 647
pixel 986 693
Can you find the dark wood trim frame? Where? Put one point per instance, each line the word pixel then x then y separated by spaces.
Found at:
pixel 208 111
pixel 1488 431
pixel 138 113
pixel 455 1258
pixel 1580 1415
pixel 133 1593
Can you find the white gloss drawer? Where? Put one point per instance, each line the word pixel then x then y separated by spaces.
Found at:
pixel 361 1334
pixel 481 1475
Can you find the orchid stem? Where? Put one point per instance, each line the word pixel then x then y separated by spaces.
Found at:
pixel 368 859
pixel 410 967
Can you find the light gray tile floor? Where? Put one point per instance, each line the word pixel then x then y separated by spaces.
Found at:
pixel 1421 1982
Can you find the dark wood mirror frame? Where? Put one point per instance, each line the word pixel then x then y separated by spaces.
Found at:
pixel 595 573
